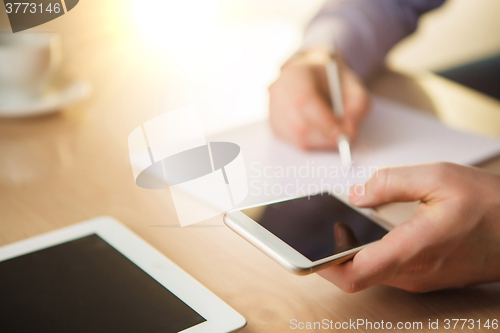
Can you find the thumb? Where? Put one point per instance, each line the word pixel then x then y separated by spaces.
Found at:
pixel 344 237
pixel 397 184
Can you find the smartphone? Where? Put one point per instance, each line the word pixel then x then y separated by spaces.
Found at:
pixel 306 234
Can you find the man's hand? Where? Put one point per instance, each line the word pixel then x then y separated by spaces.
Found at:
pixel 300 107
pixel 453 240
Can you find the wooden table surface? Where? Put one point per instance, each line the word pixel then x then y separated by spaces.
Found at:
pixel 62 169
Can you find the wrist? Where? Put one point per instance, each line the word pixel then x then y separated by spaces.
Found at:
pixel 312 56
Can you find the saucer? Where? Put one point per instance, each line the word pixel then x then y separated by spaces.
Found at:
pixel 52 100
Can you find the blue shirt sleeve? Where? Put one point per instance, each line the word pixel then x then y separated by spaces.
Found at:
pixel 365 30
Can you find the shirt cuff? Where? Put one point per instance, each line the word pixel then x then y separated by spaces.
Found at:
pixel 335 34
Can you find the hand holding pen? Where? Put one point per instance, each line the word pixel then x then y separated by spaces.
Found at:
pixel 300 103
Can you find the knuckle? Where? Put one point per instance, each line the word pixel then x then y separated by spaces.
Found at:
pixel 303 144
pixel 441 171
pixel 302 98
pixel 352 286
pixel 273 87
pixel 300 136
pixel 299 131
pixel 417 267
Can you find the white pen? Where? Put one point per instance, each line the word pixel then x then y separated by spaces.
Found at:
pixel 332 74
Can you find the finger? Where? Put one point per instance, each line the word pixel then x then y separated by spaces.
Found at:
pixel 316 139
pixel 323 127
pixel 319 115
pixel 373 265
pixel 297 130
pixel 397 184
pixel 357 105
pixel 387 261
pixel 300 120
pixel 294 128
pixel 344 237
pixel 355 99
pixel 286 120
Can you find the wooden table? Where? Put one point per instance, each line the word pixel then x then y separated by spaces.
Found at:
pixel 62 169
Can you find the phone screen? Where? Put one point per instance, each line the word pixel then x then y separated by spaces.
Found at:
pixel 318 226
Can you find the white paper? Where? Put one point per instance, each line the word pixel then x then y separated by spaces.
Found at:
pixel 393 134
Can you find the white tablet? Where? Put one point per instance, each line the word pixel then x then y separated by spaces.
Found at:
pixel 97 276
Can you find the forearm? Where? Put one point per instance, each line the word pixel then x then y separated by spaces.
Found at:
pixel 365 30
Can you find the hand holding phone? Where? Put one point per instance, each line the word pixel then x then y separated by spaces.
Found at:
pixel 306 234
pixel 451 241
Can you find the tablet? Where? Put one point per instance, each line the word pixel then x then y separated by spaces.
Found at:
pixel 97 276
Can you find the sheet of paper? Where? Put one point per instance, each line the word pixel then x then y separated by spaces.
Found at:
pixel 393 134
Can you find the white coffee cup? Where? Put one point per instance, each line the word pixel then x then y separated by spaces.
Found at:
pixel 27 63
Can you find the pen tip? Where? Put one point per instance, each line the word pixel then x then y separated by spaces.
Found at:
pixel 345 152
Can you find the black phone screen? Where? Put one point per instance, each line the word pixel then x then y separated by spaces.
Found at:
pixel 318 226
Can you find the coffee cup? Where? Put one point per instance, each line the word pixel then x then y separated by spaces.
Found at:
pixel 28 61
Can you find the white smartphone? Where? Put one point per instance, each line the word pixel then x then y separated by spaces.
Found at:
pixel 306 234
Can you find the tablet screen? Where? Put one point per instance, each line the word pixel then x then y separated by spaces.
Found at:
pixel 85 285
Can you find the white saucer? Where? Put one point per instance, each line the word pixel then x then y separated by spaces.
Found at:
pixel 52 100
